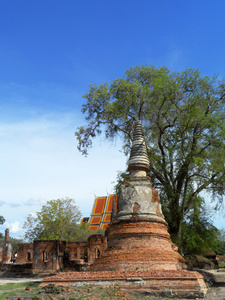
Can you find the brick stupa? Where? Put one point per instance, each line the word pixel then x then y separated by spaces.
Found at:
pixel 140 254
pixel 138 238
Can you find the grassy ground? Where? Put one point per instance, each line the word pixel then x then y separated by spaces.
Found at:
pixel 11 289
pixel 31 291
pixel 22 291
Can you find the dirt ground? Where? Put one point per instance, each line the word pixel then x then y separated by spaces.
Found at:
pixel 216 293
pixel 18 280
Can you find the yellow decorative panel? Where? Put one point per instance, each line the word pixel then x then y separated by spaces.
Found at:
pixel 91 227
pixel 104 226
pixel 99 206
pixel 95 220
pixel 107 218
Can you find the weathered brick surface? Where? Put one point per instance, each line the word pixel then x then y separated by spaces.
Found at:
pixel 1 254
pixel 76 250
pixel 55 255
pixel 7 249
pixel 48 255
pixel 24 253
pixel 169 283
pixel 97 244
pixel 110 275
pixel 89 251
pixel 138 245
pixel 155 198
pixel 220 259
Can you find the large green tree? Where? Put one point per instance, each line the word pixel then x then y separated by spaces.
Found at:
pixel 183 116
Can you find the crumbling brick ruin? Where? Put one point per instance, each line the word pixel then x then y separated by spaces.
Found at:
pixel 52 256
pixel 6 251
pixel 1 254
pixel 24 253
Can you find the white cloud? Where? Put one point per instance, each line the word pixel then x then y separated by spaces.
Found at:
pixel 14 227
pixel 39 162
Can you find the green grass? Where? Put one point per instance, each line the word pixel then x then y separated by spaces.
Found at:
pixel 222 265
pixel 15 291
pixel 11 289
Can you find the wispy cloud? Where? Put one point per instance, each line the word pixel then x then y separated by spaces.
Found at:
pixel 20 101
pixel 2 203
pixel 34 202
pixel 14 204
pixel 174 56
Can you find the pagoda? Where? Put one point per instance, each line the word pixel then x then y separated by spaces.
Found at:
pixel 138 237
pixel 140 255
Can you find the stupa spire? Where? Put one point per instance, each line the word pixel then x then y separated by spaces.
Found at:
pixel 138 164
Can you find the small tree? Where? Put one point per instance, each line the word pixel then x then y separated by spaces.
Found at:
pixel 58 220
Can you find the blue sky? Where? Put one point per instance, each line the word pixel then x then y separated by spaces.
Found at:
pixel 50 50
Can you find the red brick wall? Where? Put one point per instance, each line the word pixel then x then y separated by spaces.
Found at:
pixel 48 255
pixel 24 253
pixel 97 244
pixel 76 250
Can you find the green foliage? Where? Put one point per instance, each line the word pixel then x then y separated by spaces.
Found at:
pixel 222 265
pixel 82 233
pixel 58 220
pixel 198 233
pixel 221 242
pixel 2 220
pixel 14 243
pixel 120 181
pixel 183 117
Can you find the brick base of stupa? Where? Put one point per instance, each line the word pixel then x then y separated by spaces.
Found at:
pixel 140 257
pixel 181 284
pixel 139 244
